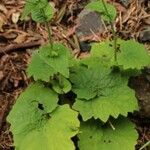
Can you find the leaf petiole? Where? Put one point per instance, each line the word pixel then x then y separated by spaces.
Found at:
pixel 113 31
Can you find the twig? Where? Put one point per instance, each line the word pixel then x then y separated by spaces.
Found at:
pixel 145 145
pixel 13 47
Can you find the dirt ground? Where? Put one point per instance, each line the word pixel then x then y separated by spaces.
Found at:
pixel 19 39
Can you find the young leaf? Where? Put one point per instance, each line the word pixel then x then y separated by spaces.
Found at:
pixel 99 7
pixel 101 93
pixel 95 136
pixel 43 15
pixel 36 117
pixel 32 5
pixel 45 64
pixel 61 86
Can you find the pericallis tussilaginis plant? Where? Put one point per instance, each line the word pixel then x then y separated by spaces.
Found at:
pixel 41 119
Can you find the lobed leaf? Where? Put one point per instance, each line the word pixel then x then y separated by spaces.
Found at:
pixel 44 64
pixel 101 93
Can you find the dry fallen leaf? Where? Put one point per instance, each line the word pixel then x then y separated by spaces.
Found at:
pixel 1 75
pixel 2 22
pixel 3 9
pixel 15 17
pixel 20 38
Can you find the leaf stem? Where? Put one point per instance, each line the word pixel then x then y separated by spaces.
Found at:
pixel 48 29
pixel 113 31
pixel 49 34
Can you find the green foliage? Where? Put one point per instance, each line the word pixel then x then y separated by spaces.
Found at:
pixel 96 136
pixel 130 55
pixel 104 51
pixel 99 7
pixel 61 85
pixel 34 128
pixel 42 15
pixel 97 89
pixel 93 81
pixel 48 62
pixel 40 10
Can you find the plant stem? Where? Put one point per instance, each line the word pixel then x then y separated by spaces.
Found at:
pixel 48 29
pixel 49 34
pixel 113 31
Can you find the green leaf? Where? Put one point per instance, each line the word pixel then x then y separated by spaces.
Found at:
pixel 99 7
pixel 95 136
pixel 35 94
pixel 43 15
pixel 36 117
pixel 101 93
pixel 32 5
pixel 44 64
pixel 132 55
pixel 105 51
pixel 39 69
pixel 83 84
pixel 61 86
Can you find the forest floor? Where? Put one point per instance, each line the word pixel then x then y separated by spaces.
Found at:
pixel 18 39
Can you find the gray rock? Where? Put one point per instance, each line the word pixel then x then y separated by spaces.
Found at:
pixel 142 89
pixel 85 46
pixel 89 22
pixel 125 3
pixel 144 35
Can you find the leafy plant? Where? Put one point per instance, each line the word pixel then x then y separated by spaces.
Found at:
pixel 97 93
pixel 100 7
pixel 36 117
pixel 40 10
pixel 49 61
pixel 130 54
pixel 100 83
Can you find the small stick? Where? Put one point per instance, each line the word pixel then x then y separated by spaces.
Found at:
pixel 13 47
